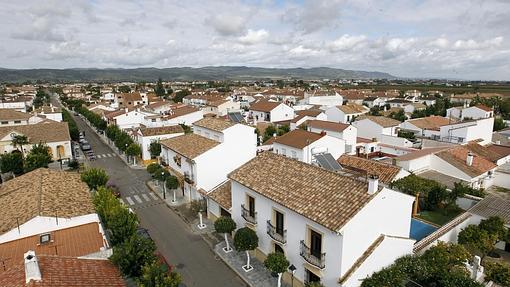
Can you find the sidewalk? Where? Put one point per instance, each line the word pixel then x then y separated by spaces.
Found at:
pixel 158 190
pixel 258 277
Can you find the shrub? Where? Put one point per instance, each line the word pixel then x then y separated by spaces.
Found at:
pixel 498 273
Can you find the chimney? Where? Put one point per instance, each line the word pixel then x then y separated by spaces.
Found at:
pixel 126 110
pixel 373 183
pixel 469 159
pixel 32 271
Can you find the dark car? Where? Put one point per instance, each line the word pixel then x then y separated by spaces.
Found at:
pixel 143 232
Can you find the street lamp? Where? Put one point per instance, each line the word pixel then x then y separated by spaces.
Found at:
pixel 127 157
pixel 164 184
pixel 292 269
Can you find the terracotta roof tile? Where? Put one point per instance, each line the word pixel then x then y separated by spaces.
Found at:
pixel 327 126
pixel 298 138
pixel 214 124
pixel 43 192
pixel 11 115
pixel 483 107
pixel 156 131
pixel 326 197
pixel 386 172
pixel 380 120
pixel 222 195
pixel 45 132
pixel 353 109
pixel 264 106
pixel 431 122
pixel 190 145
pixel 456 156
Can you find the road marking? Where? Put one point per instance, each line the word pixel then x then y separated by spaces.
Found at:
pixel 138 199
pixel 146 197
pixel 99 156
pixel 130 201
pixel 153 196
pixel 135 189
pixel 111 154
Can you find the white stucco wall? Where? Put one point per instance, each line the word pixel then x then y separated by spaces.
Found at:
pixel 281 113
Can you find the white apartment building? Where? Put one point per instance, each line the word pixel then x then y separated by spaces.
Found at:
pixel 474 112
pixel 346 113
pixel 265 111
pixel 334 228
pixel 204 158
pixel 144 136
pixel 371 127
pixel 303 145
pixel 346 132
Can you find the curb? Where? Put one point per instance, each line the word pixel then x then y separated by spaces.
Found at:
pixel 233 269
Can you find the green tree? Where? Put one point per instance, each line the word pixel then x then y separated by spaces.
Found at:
pixel 171 182
pixel 399 116
pixel 161 174
pixel 159 89
pixel 94 177
pixel 476 240
pixel 225 225
pixel 153 167
pixel 122 141
pixel 134 150
pixel 246 239
pixel 155 149
pixel 112 131
pixel 436 196
pixel 277 263
pixel 12 162
pixel 499 124
pixel 155 274
pixel 39 156
pixel 124 89
pixel 375 111
pixel 132 254
pixel 122 224
pixel 105 202
pixel 180 95
pixel 498 273
pixel 461 188
pixel 19 141
pixel 494 225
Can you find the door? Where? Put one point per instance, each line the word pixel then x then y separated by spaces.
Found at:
pixel 251 206
pixel 315 244
pixel 311 277
pixel 279 222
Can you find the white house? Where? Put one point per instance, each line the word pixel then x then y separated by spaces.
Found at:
pixel 319 219
pixel 398 103
pixel 205 157
pixel 49 112
pixel 303 145
pixel 346 132
pixel 221 107
pixel 265 111
pixel 387 173
pixel 176 114
pixel 374 101
pixel 304 116
pixel 24 214
pixel 322 98
pixel 131 118
pixel 371 127
pixel 11 117
pixel 473 113
pixel 410 108
pixel 346 113
pixel 144 136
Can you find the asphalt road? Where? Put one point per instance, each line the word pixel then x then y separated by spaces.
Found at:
pixel 192 257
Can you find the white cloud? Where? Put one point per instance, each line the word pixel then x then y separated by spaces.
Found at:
pixel 254 37
pixel 346 42
pixel 314 15
pixel 227 25
pixel 439 43
pixel 474 45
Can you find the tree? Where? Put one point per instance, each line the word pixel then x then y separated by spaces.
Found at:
pixel 132 254
pixel 153 167
pixel 134 150
pixel 225 225
pixel 180 95
pixel 476 240
pixel 277 263
pixel 11 162
pixel 19 141
pixel 39 156
pixel 499 124
pixel 171 182
pixel 73 164
pixel 159 89
pixel 124 89
pixel 246 239
pixel 498 272
pixel 122 224
pixel 94 178
pixel 436 196
pixel 161 174
pixel 494 225
pixel 399 116
pixel 155 274
pixel 461 188
pixel 155 149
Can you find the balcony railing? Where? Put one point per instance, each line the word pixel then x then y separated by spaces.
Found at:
pixel 318 260
pixel 278 235
pixel 251 217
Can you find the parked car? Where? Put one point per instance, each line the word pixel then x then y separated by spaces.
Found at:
pixel 143 232
pixel 86 146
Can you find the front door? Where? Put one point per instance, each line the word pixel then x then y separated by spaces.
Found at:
pixel 279 222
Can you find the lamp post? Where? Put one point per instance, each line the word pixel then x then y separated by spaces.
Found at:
pixel 127 157
pixel 164 184
pixel 292 269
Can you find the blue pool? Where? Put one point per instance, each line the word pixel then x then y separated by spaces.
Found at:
pixel 420 229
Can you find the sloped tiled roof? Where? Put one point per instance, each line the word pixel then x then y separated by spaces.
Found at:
pixel 327 126
pixel 60 271
pixel 456 156
pixel 326 197
pixel 493 205
pixel 11 115
pixel 264 106
pixel 298 138
pixel 380 120
pixel 386 172
pixel 353 109
pixel 483 107
pixel 222 195
pixel 190 145
pixel 491 152
pixel 214 124
pixel 156 131
pixel 431 122
pixel 43 192
pixel 46 132
pixel 75 241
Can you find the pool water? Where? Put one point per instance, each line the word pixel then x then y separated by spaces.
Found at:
pixel 420 229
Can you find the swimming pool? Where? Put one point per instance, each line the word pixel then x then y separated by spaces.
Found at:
pixel 420 229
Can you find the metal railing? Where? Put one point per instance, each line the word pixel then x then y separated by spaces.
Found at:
pixel 278 235
pixel 317 260
pixel 251 217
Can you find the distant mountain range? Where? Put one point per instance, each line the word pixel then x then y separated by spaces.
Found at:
pixel 184 74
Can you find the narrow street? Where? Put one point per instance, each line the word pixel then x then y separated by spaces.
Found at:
pixel 191 256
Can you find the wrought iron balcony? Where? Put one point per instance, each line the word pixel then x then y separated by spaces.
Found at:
pixel 278 235
pixel 314 258
pixel 251 217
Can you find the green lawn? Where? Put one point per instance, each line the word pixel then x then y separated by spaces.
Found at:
pixel 438 217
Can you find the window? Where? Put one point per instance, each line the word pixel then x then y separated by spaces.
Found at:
pixel 153 120
pixel 284 152
pixel 4 122
pixel 17 122
pixel 315 244
pixel 372 149
pixel 294 154
pixel 251 206
pixel 311 277
pixel 44 238
pixel 279 222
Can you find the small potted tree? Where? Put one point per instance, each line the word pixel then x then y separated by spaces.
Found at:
pixel 246 239
pixel 225 225
pixel 277 263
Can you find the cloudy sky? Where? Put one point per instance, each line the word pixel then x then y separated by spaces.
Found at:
pixel 467 39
